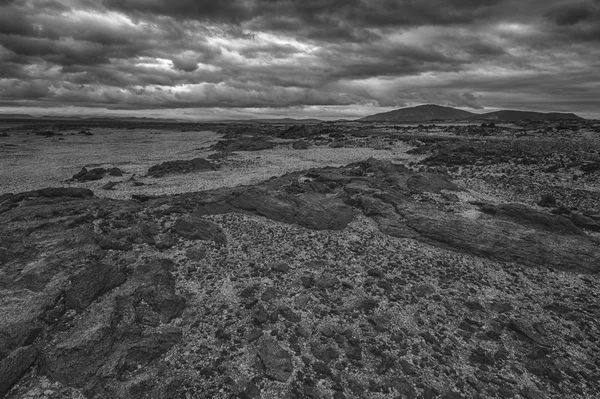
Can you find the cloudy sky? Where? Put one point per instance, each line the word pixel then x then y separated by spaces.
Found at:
pixel 297 58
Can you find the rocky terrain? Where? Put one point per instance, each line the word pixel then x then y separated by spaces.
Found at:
pixel 470 271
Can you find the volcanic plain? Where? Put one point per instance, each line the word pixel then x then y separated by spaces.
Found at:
pixel 326 260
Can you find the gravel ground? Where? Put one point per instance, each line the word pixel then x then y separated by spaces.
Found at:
pixel 32 162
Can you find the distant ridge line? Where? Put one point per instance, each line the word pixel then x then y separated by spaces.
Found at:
pixel 432 112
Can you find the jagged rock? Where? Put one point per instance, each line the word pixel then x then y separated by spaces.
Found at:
pixel 375 272
pixel 529 217
pixel 108 339
pixel 584 222
pixel 280 267
pixel 590 167
pixel 481 356
pixel 276 360
pixel 116 172
pixel 380 322
pixel 93 281
pixel 531 393
pixel 173 167
pixel 490 238
pixel 450 197
pixel 199 229
pixel 89 175
pixel 253 335
pixel 526 329
pixel 14 366
pixel 312 210
pixel 289 314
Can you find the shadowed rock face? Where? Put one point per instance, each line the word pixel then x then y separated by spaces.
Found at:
pixel 88 298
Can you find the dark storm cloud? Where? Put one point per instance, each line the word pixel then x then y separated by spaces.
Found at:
pixel 26 90
pixel 185 65
pixel 571 14
pixel 291 53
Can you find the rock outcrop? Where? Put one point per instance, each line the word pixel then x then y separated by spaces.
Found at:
pixel 328 199
pixel 244 144
pixel 69 308
pixel 177 167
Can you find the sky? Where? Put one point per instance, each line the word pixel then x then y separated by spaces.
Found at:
pixel 328 59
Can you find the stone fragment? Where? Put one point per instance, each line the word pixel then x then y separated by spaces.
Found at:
pixel 280 267
pixel 196 253
pixel 276 360
pixel 289 314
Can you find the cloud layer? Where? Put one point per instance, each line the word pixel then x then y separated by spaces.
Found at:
pixel 268 54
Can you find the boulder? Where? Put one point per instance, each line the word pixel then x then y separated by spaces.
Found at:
pixel 89 175
pixel 115 172
pixel 276 361
pixel 300 145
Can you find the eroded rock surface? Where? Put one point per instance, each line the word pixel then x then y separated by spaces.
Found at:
pixel 369 279
pixel 82 316
pixel 329 198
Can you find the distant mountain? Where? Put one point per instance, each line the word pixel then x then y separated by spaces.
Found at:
pixel 286 121
pixel 421 113
pixel 524 115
